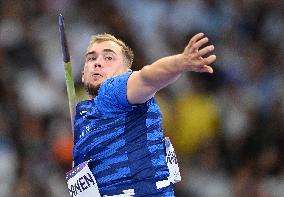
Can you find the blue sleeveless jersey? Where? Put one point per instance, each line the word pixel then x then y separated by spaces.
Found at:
pixel 123 142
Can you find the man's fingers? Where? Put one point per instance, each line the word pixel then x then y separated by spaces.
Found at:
pixel 194 39
pixel 209 60
pixel 206 68
pixel 198 44
pixel 206 50
pixel 196 60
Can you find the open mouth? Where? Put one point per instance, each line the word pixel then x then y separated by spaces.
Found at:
pixel 96 76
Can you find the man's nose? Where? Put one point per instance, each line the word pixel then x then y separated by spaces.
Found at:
pixel 97 65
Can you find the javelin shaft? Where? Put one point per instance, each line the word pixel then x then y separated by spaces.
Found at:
pixel 68 71
pixel 70 91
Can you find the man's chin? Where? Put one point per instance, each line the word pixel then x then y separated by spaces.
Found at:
pixel 92 90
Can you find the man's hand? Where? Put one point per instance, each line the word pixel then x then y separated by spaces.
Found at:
pixel 192 59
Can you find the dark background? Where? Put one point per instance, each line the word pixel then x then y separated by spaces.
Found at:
pixel 227 127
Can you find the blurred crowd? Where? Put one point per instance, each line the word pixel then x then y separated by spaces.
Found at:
pixel 227 128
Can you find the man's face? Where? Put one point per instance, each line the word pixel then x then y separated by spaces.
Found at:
pixel 104 60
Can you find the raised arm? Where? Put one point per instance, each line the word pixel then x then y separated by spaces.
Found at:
pixel 143 84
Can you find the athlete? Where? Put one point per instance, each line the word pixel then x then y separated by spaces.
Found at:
pixel 118 130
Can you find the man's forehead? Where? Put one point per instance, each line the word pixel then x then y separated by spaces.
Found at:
pixel 104 46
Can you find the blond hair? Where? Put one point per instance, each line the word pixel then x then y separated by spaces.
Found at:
pixel 126 50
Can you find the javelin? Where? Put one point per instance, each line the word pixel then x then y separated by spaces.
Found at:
pixel 68 71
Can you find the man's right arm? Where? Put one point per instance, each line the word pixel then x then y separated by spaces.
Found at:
pixel 143 84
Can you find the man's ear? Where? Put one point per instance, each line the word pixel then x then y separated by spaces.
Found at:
pixel 82 78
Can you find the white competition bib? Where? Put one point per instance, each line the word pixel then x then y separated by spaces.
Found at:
pixel 172 162
pixel 81 182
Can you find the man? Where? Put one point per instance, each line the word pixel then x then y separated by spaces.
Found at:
pixel 119 129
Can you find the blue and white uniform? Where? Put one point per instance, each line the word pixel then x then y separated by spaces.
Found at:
pixel 123 142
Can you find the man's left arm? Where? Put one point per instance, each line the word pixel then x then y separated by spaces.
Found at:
pixel 143 84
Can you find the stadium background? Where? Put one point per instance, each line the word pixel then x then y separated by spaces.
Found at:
pixel 227 127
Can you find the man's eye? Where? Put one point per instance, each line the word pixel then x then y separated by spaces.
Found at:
pixel 91 58
pixel 108 58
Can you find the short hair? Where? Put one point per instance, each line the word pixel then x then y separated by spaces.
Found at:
pixel 126 50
